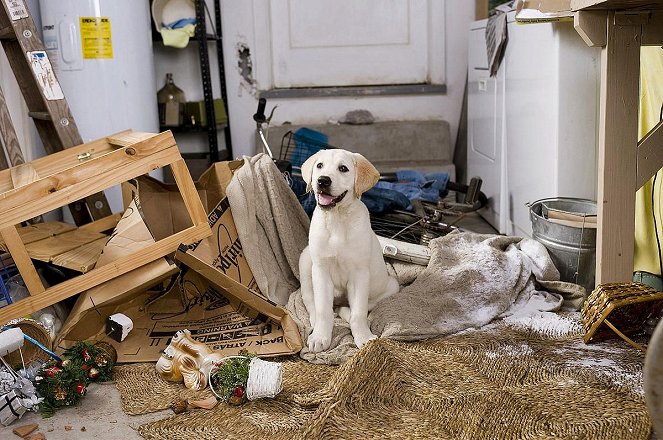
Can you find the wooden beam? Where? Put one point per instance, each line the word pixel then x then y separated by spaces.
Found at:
pixel 23 174
pixel 618 140
pixel 10 143
pixel 75 183
pixel 22 260
pixel 102 274
pixel 591 26
pixel 189 192
pixel 103 224
pixel 652 32
pixel 650 155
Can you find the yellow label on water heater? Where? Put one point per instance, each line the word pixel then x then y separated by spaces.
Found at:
pixel 96 39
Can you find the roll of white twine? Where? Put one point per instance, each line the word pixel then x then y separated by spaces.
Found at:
pixel 265 378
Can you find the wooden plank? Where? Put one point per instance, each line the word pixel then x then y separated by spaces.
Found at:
pixel 618 134
pixel 78 182
pixel 52 164
pixel 127 138
pixel 104 273
pixel 9 139
pixel 652 32
pixel 22 260
pixel 23 174
pixel 188 191
pixel 591 26
pixel 103 224
pixel 40 231
pixel 45 250
pixel 82 258
pixel 650 155
pixel 616 4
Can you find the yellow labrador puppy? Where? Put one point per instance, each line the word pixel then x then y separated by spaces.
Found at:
pixel 343 263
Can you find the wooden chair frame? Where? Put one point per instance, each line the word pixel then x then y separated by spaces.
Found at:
pixel 51 182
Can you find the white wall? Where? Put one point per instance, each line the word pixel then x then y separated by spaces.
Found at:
pixel 240 19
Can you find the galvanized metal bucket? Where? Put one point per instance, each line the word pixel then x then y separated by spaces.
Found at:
pixel 572 249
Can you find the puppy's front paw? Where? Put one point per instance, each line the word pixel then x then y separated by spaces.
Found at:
pixel 318 342
pixel 363 338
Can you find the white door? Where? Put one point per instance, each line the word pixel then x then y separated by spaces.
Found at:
pixel 321 43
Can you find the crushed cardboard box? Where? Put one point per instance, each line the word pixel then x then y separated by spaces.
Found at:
pixel 215 296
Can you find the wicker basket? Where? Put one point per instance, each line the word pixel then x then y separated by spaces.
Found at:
pixel 628 305
pixel 30 351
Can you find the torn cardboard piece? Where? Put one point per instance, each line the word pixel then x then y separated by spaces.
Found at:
pixel 543 11
pixel 130 235
pixel 223 250
pixel 214 316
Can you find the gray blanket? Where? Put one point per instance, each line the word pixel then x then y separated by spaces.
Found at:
pixel 470 280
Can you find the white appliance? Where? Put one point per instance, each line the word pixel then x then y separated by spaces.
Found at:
pixel 532 129
pixel 102 53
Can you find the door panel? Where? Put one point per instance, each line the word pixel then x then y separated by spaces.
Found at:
pixel 319 43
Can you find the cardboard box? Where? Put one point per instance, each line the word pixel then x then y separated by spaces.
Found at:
pixel 215 297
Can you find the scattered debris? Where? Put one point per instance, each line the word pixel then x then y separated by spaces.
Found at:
pixel 37 436
pixel 23 431
pixel 68 427
pixel 179 407
pixel 83 429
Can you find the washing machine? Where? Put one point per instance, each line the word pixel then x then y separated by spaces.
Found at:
pixel 532 129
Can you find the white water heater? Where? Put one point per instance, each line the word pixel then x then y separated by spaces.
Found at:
pixel 102 53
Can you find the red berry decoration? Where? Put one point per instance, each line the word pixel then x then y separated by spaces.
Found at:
pixel 80 388
pixel 52 371
pixel 239 391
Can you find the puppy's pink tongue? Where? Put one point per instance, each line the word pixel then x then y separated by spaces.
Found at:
pixel 325 199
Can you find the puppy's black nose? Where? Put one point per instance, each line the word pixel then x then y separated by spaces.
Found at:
pixel 324 181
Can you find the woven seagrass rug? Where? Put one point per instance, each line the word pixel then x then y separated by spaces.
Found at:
pixel 501 382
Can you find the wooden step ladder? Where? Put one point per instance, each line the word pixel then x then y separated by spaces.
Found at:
pixel 45 100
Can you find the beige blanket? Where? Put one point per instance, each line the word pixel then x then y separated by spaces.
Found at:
pixel 470 280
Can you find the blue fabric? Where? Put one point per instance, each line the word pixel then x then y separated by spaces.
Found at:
pixel 417 186
pixel 383 200
pixel 179 23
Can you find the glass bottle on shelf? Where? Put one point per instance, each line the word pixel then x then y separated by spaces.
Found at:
pixel 171 99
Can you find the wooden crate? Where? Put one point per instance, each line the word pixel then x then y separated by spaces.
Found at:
pixel 48 183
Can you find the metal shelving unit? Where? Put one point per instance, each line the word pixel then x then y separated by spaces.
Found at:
pixel 203 38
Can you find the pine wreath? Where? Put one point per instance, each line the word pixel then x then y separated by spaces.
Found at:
pixel 60 384
pixel 64 383
pixel 97 363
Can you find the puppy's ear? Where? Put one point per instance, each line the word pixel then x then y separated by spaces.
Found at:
pixel 307 169
pixel 366 176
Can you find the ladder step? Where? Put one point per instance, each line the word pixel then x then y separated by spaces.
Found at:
pixel 44 116
pixel 7 33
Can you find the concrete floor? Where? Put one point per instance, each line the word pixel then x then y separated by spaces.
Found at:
pixel 98 416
